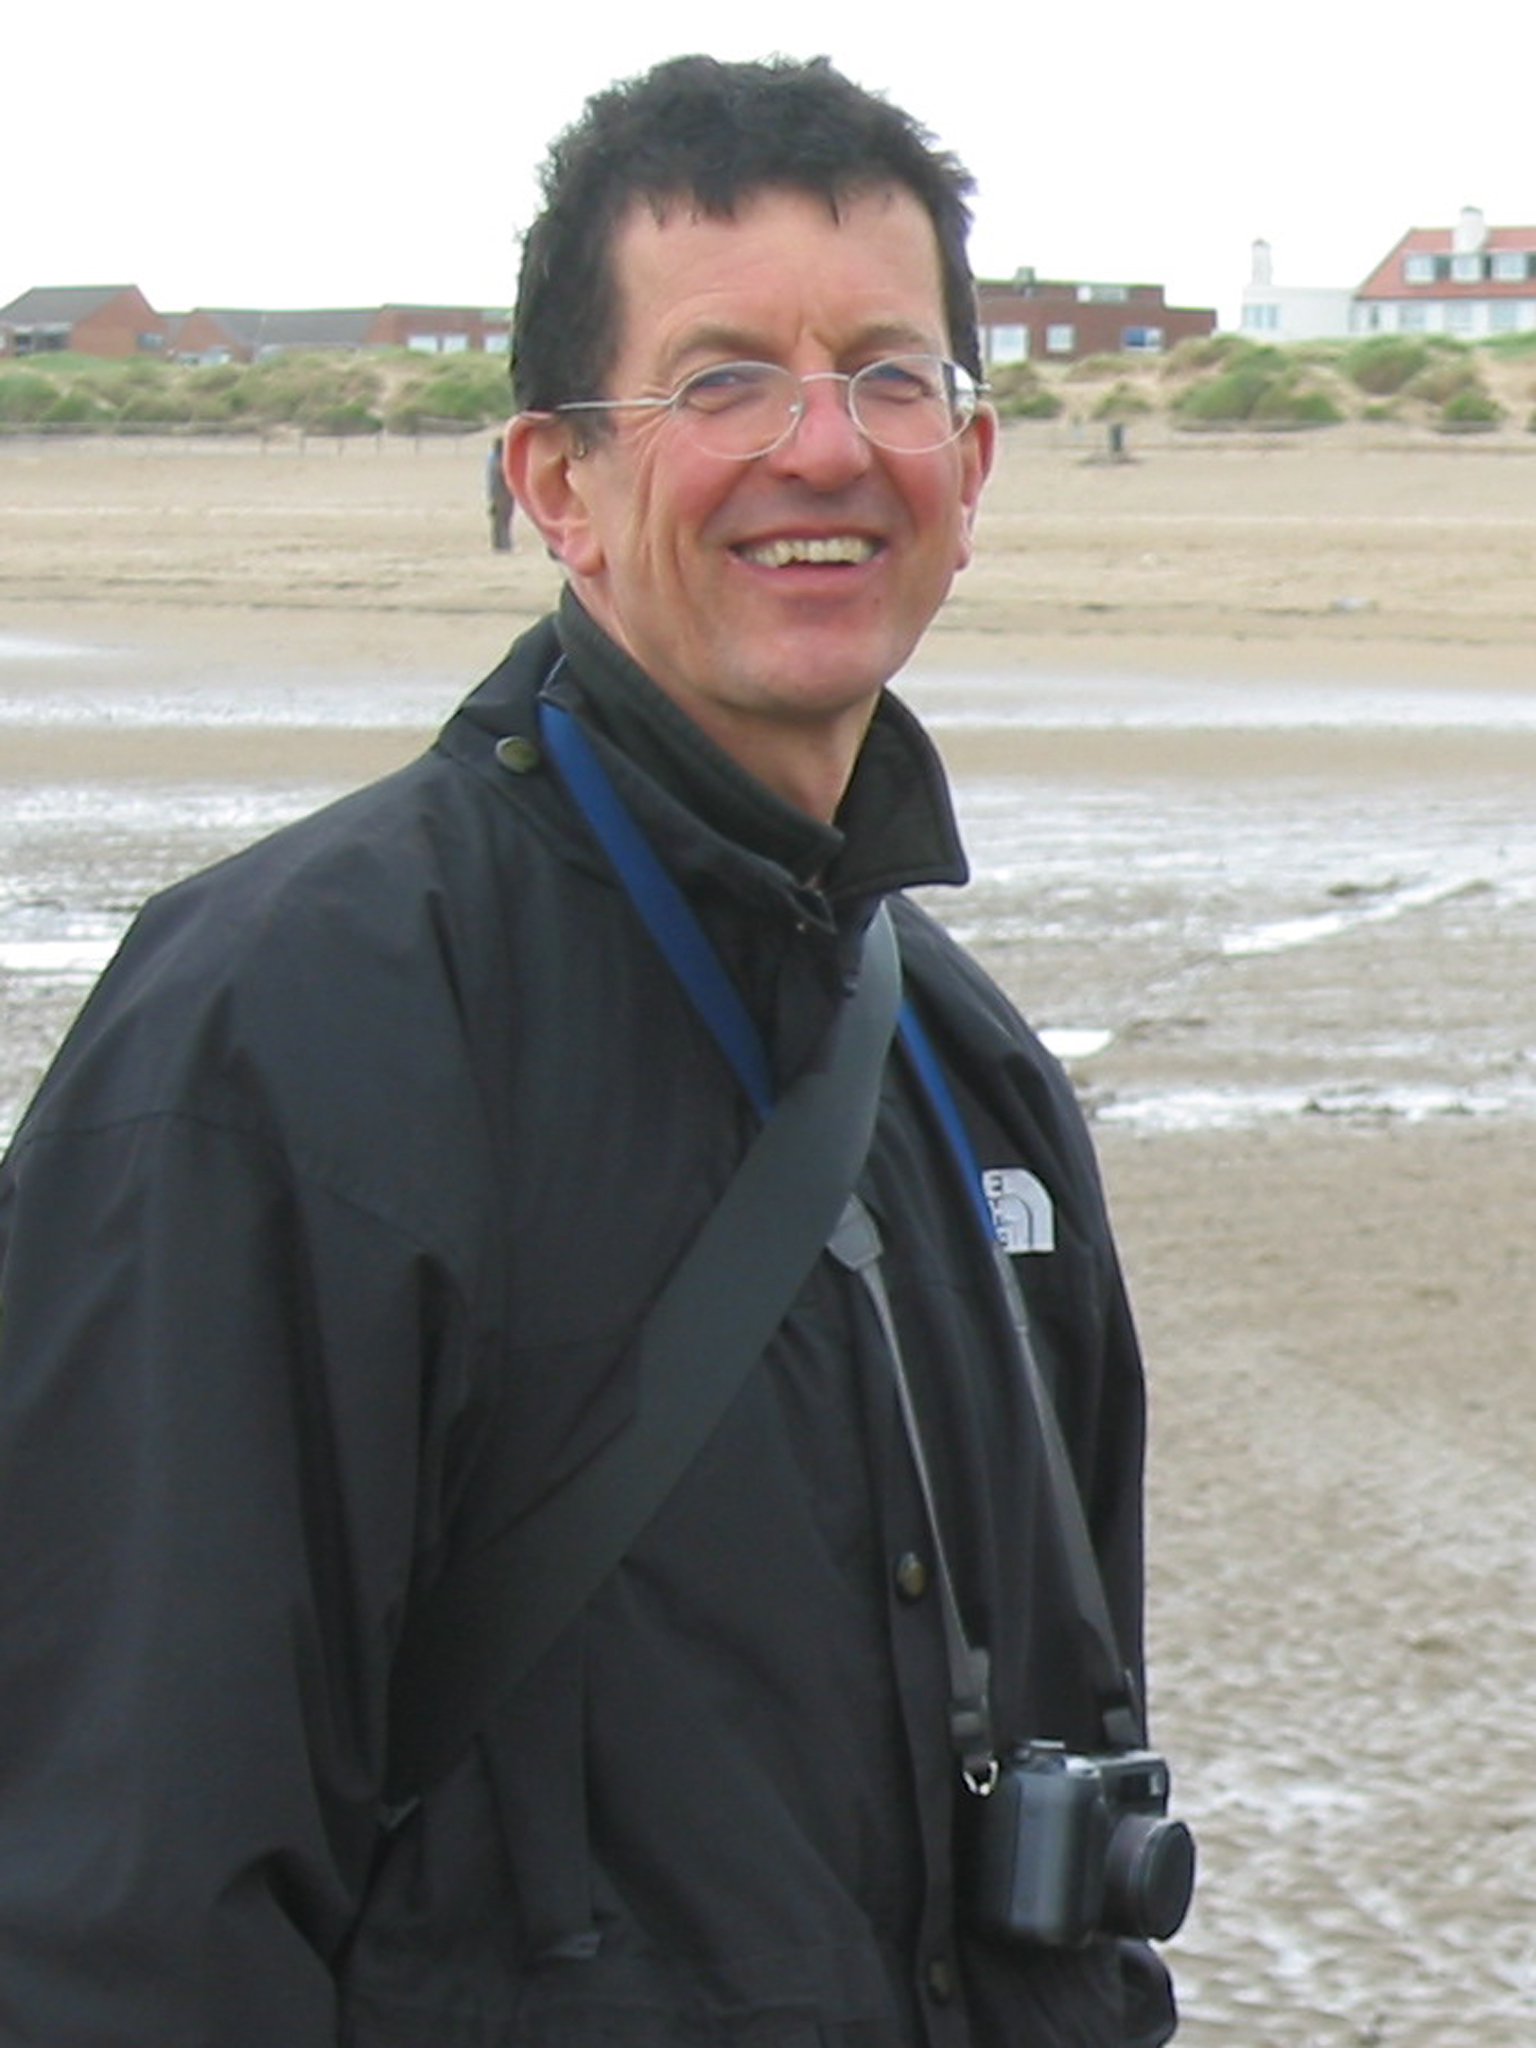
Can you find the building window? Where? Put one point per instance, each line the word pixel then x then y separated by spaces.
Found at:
pixel 1060 338
pixel 1412 319
pixel 1467 269
pixel 1510 266
pixel 1263 319
pixel 1006 344
pixel 1418 270
pixel 1503 317
pixel 1461 316
pixel 1145 340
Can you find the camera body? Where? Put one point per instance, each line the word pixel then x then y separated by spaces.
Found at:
pixel 1066 1846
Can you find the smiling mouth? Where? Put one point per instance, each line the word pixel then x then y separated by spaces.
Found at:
pixel 845 548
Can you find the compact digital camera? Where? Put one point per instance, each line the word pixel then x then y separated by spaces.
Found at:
pixel 1065 1847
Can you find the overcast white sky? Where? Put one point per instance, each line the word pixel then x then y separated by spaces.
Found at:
pixel 302 152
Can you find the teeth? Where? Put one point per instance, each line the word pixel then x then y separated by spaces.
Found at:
pixel 841 547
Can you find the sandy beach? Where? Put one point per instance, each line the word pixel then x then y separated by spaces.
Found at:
pixel 1244 737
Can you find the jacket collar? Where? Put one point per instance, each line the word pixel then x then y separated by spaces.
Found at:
pixel 894 829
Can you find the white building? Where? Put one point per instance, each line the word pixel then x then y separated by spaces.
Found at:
pixel 1469 280
pixel 1291 312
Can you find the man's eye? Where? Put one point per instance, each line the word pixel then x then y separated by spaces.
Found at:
pixel 899 380
pixel 726 385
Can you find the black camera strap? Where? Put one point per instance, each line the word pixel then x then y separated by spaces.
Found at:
pixel 857 1245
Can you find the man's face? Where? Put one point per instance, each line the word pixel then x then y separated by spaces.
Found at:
pixel 673 549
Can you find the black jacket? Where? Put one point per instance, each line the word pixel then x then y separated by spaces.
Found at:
pixel 367 1154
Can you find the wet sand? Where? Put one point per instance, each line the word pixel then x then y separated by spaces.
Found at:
pixel 1339 1304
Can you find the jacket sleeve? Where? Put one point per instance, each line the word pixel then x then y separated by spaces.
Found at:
pixel 211 1387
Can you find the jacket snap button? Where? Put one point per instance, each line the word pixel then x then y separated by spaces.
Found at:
pixel 911 1576
pixel 518 754
pixel 940 1979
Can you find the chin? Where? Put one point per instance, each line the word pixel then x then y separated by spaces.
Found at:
pixel 834 675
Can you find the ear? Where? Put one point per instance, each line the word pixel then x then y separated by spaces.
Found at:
pixel 978 447
pixel 546 475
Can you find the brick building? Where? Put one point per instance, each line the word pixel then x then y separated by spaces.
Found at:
pixel 93 320
pixel 1062 322
pixel 223 334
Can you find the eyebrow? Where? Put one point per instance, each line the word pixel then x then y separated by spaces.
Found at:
pixel 746 344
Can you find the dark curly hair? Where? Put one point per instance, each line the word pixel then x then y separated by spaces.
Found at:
pixel 713 134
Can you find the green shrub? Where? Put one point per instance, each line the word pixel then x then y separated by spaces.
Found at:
pixel 1093 369
pixel 471 392
pixel 347 417
pixel 79 407
pixel 1443 378
pixel 26 395
pixel 1234 391
pixel 1321 352
pixel 1123 401
pixel 1017 393
pixel 1385 363
pixel 300 387
pixel 1260 385
pixel 213 379
pixel 1040 404
pixel 1007 380
pixel 1203 352
pixel 153 409
pixel 219 396
pixel 1295 405
pixel 314 391
pixel 1470 411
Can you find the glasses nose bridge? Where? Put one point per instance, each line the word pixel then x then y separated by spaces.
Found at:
pixel 799 402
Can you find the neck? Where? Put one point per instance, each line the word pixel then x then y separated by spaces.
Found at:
pixel 806 764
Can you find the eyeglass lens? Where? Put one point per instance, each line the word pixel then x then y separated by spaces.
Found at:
pixel 907 404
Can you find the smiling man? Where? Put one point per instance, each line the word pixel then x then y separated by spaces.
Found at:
pixel 750 544
pixel 334 1241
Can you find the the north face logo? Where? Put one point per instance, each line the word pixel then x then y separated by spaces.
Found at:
pixel 1023 1214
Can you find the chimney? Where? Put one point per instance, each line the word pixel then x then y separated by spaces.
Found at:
pixel 1470 232
pixel 1263 270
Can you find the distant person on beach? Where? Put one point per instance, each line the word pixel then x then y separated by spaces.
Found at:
pixel 564 1477
pixel 498 496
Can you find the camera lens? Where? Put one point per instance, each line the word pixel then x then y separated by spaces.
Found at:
pixel 1149 1877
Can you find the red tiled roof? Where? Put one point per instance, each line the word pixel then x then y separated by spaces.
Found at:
pixel 1386 281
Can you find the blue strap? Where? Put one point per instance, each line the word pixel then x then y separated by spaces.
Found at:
pixel 936 1084
pixel 661 904
pixel 672 924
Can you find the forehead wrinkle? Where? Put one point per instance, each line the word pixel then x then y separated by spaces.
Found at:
pixel 722 341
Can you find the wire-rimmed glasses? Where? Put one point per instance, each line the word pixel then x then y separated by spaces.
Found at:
pixel 907 405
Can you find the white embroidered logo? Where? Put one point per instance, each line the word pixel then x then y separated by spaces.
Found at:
pixel 1023 1213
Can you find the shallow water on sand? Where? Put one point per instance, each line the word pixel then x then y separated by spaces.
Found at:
pixel 1228 945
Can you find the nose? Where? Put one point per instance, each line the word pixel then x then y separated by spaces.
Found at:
pixel 824 446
